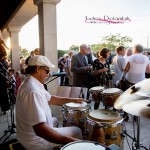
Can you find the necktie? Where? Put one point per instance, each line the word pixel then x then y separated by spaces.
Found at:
pixel 86 63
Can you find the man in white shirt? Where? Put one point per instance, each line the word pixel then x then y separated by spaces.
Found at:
pixel 128 54
pixel 35 124
pixel 136 66
pixel 118 64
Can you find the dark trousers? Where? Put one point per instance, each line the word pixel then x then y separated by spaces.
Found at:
pixel 128 84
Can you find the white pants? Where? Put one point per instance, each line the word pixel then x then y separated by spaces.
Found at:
pixel 66 131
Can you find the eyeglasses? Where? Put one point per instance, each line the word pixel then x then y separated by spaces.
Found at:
pixel 46 70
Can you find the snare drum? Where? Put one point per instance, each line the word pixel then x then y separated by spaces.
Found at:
pixel 105 126
pixel 75 114
pixel 84 145
pixel 110 95
pixel 96 93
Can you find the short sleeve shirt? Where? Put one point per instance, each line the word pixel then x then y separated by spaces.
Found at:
pixel 138 63
pixel 32 108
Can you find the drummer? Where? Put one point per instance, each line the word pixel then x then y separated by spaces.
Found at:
pixel 35 124
pixel 101 70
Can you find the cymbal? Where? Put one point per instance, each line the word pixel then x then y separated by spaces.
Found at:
pixel 138 108
pixel 139 91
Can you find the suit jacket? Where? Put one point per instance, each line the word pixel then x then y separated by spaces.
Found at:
pixel 78 65
pixel 90 60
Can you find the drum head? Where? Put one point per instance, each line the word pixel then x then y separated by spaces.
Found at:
pixel 104 115
pixel 111 90
pixel 84 145
pixel 76 106
pixel 96 88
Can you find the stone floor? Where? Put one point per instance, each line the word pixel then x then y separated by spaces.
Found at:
pixel 5 122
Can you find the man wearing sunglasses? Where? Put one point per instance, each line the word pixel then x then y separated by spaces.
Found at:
pixel 35 125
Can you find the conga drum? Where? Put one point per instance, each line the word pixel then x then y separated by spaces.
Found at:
pixel 110 95
pixel 105 126
pixel 75 114
pixel 84 145
pixel 96 93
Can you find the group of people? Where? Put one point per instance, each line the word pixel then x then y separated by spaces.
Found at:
pixel 36 127
pixel 88 71
pixel 132 67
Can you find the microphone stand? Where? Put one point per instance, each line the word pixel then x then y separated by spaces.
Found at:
pixel 12 100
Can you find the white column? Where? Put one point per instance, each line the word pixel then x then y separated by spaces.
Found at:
pixel 14 42
pixel 48 33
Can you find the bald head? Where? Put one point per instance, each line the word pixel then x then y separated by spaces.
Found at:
pixel 83 49
pixel 129 51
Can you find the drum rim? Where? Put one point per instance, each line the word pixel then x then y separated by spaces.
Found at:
pixel 90 90
pixel 65 146
pixel 77 108
pixel 120 91
pixel 102 120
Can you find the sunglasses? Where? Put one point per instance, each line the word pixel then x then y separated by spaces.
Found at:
pixel 46 70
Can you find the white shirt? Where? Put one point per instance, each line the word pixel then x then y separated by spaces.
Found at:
pixel 126 58
pixel 32 108
pixel 118 66
pixel 138 63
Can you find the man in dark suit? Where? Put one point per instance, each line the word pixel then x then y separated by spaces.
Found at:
pixel 89 56
pixel 80 67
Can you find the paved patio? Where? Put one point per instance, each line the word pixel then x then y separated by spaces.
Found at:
pixel 144 137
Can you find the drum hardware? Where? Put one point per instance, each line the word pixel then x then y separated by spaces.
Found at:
pixel 137 108
pixel 75 114
pixel 96 93
pixel 110 95
pixel 135 102
pixel 134 89
pixel 112 137
pixel 105 126
pixel 136 145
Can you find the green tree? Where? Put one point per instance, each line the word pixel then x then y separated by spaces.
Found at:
pixel 61 53
pixel 74 48
pixel 112 41
pixel 24 52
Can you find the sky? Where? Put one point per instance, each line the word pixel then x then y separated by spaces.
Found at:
pixel 75 27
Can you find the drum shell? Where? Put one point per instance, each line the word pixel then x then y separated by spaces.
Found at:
pixel 97 94
pixel 110 98
pixel 107 131
pixel 76 117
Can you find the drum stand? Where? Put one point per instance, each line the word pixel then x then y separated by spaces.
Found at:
pixel 137 144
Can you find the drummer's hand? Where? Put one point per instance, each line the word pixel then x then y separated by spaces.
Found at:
pixel 80 100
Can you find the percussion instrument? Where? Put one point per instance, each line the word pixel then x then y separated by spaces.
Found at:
pixel 138 108
pixel 96 93
pixel 84 145
pixel 110 95
pixel 105 126
pixel 139 91
pixel 74 114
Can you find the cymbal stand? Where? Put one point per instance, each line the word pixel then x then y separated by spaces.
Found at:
pixel 137 144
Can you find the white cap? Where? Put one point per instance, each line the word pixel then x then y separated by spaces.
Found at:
pixel 39 60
